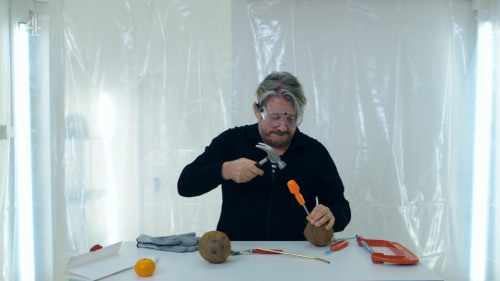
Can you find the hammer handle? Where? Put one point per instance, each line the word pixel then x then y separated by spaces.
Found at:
pixel 262 162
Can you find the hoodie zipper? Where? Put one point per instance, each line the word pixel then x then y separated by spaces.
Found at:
pixel 270 204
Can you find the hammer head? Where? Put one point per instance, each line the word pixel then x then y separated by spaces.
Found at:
pixel 271 154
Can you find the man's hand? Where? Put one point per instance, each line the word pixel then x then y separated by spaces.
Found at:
pixel 240 170
pixel 321 215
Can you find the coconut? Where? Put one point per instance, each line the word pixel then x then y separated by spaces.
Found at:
pixel 214 246
pixel 318 236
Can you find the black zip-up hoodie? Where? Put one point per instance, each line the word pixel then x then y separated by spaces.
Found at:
pixel 263 208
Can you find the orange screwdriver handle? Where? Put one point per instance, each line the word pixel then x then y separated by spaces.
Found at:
pixel 300 199
pixel 339 245
pixel 294 188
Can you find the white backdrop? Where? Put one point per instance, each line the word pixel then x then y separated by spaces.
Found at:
pixel 139 88
pixel 386 85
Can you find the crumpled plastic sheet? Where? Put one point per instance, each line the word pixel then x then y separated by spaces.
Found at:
pixel 145 86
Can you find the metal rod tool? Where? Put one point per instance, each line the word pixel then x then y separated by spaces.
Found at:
pixel 347 238
pixel 302 256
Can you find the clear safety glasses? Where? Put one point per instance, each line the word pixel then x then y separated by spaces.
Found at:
pixel 274 118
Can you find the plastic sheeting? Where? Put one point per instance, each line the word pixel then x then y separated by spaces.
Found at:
pixel 385 80
pixel 139 88
pixel 4 113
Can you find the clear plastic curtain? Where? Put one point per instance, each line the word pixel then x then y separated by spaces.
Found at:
pixel 139 88
pixel 145 86
pixel 389 96
pixel 4 117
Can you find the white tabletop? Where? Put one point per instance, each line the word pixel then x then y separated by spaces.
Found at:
pixel 350 263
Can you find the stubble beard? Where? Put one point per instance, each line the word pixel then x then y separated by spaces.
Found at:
pixel 274 143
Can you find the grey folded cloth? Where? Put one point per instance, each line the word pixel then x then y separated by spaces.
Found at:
pixel 174 243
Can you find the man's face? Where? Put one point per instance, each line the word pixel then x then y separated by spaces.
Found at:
pixel 281 135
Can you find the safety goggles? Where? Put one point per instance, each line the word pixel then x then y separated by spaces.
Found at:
pixel 274 118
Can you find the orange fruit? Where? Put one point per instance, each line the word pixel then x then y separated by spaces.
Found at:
pixel 145 267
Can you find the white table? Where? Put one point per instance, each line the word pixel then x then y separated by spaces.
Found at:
pixel 350 263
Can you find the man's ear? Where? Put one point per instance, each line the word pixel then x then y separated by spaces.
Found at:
pixel 256 110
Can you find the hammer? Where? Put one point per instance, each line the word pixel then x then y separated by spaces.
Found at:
pixel 271 155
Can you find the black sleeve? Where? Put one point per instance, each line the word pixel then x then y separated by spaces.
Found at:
pixel 331 192
pixel 205 173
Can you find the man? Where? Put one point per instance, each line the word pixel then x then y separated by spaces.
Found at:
pixel 257 204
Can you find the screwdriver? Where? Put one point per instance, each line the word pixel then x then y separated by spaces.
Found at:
pixel 337 246
pixel 294 189
pixel 347 238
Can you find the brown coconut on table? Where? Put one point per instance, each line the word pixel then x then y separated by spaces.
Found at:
pixel 215 246
pixel 318 236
